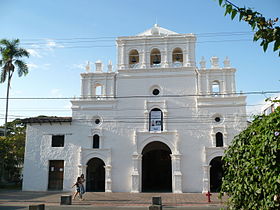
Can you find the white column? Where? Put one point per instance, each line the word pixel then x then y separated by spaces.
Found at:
pixel 176 171
pixel 122 57
pixel 213 139
pixel 186 58
pixel 165 55
pixel 108 180
pixel 143 57
pixel 136 158
pixel 206 178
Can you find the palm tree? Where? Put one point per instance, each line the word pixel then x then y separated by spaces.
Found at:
pixel 10 61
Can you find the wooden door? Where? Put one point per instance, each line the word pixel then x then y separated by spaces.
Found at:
pixel 56 170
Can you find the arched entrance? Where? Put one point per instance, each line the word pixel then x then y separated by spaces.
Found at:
pixel 156 168
pixel 95 179
pixel 216 174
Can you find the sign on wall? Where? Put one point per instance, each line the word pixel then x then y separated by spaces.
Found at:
pixel 155 122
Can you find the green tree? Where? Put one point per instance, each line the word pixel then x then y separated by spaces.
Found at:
pixel 11 54
pixel 265 29
pixel 252 166
pixel 12 150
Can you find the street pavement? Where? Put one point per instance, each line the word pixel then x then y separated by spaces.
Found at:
pixel 21 200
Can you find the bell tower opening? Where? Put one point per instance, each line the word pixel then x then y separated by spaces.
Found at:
pixel 156 168
pixel 155 58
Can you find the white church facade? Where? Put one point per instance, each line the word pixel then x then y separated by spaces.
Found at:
pixel 158 123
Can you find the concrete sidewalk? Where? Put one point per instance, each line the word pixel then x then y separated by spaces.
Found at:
pixel 101 200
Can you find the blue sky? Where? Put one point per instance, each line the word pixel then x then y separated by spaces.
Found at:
pixel 62 35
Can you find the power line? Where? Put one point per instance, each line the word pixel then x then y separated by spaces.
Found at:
pixel 214 95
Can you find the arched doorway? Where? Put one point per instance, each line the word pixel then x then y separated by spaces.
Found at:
pixel 95 179
pixel 216 174
pixel 156 168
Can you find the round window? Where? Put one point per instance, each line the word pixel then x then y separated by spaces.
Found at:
pixel 155 92
pixel 97 121
pixel 217 119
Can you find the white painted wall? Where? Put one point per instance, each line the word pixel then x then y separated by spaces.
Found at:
pixel 189 124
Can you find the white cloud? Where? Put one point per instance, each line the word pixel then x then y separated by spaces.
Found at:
pixel 56 93
pixel 32 66
pixel 51 44
pixel 81 66
pixel 34 53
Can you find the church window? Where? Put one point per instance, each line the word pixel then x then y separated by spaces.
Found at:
pixel 215 87
pixel 155 58
pixel 219 139
pixel 95 143
pixel 133 59
pixel 156 119
pixel 58 141
pixel 97 121
pixel 177 57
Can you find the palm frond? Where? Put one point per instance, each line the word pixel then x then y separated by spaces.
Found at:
pixel 22 67
pixel 4 42
pixel 21 53
pixel 3 75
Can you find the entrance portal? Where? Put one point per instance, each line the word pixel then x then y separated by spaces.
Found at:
pixel 156 168
pixel 95 180
pixel 216 174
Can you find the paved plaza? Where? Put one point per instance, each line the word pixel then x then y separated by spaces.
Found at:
pixel 100 200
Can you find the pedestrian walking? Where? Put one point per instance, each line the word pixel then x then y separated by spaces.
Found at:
pixel 82 180
pixel 78 188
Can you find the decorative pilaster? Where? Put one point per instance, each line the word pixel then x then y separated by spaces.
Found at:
pixel 186 58
pixel 136 158
pixel 122 64
pixel 177 175
pixel 146 116
pixel 165 56
pixel 206 178
pixel 108 180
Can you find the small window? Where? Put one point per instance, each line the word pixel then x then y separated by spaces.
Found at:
pixel 217 119
pixel 95 144
pixel 58 141
pixel 219 140
pixel 156 92
pixel 156 118
pixel 155 59
pixel 97 121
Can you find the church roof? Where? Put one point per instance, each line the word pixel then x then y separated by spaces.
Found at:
pixel 46 119
pixel 156 30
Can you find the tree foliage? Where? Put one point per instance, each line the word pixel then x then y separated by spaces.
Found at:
pixel 11 60
pixel 12 150
pixel 252 166
pixel 265 29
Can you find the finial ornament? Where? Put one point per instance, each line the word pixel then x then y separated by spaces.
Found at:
pixel 88 67
pixel 202 63
pixel 110 66
pixel 227 63
pixel 214 62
